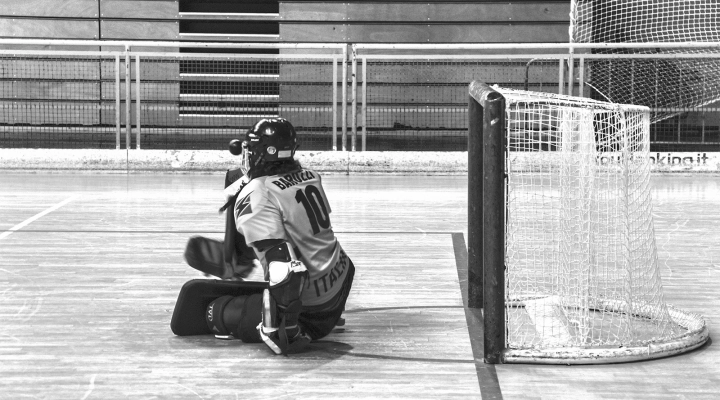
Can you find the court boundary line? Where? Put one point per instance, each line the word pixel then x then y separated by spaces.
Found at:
pixel 486 373
pixel 35 217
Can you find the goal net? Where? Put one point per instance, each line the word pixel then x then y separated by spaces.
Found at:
pixel 581 281
pixel 666 83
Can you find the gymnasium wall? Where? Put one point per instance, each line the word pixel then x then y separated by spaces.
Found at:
pixel 84 98
pixel 89 20
pixel 406 21
pixel 424 22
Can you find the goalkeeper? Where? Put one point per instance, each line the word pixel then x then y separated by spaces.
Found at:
pixel 282 212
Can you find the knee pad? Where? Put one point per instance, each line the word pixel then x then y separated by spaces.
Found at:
pixel 235 317
pixel 287 277
pixel 287 282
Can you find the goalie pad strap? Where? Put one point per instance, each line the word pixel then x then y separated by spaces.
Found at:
pixel 251 317
pixel 214 315
pixel 280 252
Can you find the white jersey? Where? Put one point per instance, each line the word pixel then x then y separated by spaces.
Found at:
pixel 293 207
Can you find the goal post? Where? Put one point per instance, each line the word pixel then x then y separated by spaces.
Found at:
pixel 486 167
pixel 561 247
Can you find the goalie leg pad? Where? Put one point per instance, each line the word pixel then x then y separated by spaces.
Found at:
pixel 282 301
pixel 230 317
pixel 189 315
pixel 274 332
pixel 251 317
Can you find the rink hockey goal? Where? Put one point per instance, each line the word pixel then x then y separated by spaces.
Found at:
pixel 561 247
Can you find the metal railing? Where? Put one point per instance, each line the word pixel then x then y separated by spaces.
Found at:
pixel 414 102
pixel 169 99
pixel 373 97
pixel 678 81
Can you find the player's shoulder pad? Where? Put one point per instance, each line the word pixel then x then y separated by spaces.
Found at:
pixel 285 181
pixel 252 198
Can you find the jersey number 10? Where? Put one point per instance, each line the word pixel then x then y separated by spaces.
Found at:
pixel 315 207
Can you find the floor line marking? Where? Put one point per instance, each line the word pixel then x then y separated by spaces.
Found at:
pixel 91 387
pixel 486 373
pixel 35 217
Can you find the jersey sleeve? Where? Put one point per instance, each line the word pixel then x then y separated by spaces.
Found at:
pixel 256 216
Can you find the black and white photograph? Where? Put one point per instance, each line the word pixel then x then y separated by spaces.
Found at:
pixel 307 199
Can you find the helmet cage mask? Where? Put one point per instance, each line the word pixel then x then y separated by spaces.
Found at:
pixel 245 158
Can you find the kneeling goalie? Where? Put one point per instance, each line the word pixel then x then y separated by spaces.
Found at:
pixel 281 211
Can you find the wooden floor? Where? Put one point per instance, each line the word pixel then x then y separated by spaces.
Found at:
pixel 91 265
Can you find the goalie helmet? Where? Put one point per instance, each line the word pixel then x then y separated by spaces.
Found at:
pixel 269 140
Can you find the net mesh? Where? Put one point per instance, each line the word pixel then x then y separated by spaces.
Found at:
pixel 581 259
pixel 667 85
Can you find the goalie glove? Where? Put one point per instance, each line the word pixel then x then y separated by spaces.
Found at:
pixel 209 257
